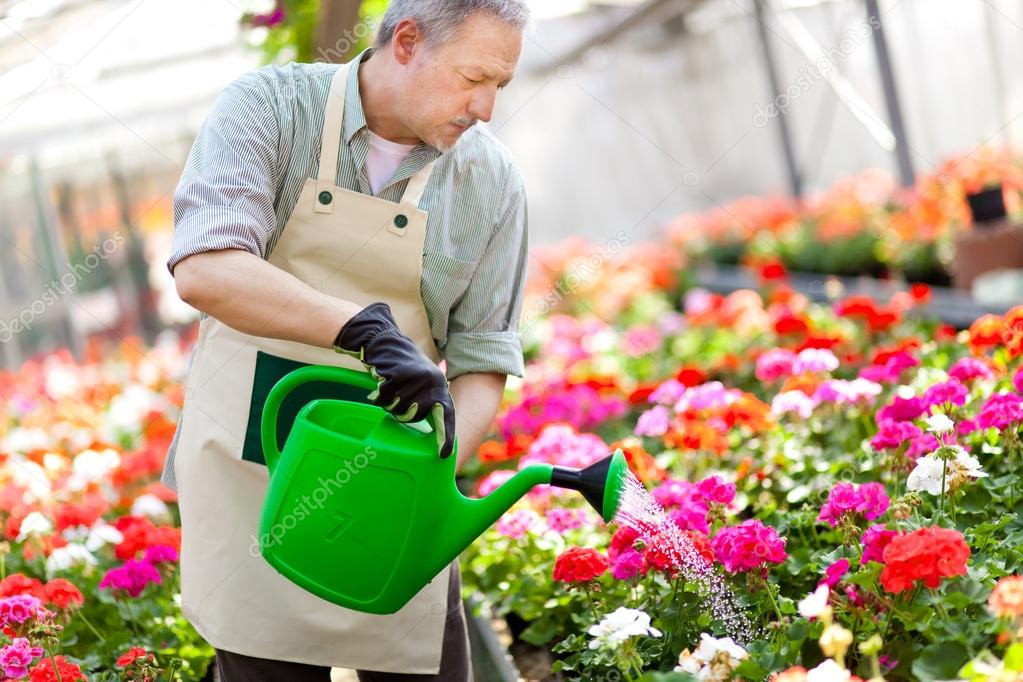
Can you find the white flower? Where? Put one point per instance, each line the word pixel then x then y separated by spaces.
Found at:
pixel 793 401
pixel 927 475
pixel 149 505
pixel 813 605
pixel 828 671
pixel 34 524
pixel 968 464
pixel 617 627
pixel 101 534
pixel 939 424
pixel 713 660
pixel 89 465
pixel 63 558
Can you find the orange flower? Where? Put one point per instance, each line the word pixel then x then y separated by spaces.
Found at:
pixel 986 332
pixel 493 451
pixel 1006 600
pixel 641 463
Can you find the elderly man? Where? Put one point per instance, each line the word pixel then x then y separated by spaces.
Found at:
pixel 347 215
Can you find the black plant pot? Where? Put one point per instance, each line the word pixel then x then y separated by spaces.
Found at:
pixel 987 206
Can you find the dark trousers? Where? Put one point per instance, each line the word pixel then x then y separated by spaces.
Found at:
pixel 454 660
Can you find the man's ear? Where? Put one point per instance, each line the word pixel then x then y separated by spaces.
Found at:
pixel 406 40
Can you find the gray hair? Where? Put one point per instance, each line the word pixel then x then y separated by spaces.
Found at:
pixel 439 19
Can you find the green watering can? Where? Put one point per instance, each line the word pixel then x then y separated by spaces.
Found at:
pixel 362 512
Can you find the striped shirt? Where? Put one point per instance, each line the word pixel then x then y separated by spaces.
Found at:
pixel 261 142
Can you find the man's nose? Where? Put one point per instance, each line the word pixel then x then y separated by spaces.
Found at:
pixel 482 105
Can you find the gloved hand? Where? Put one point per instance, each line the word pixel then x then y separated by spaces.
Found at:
pixel 409 385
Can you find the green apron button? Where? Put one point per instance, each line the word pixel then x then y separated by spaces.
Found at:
pixel 400 220
pixel 325 197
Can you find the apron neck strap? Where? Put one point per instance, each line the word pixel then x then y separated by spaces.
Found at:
pixel 333 120
pixel 416 185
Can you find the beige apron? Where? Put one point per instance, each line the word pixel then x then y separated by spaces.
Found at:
pixel 352 246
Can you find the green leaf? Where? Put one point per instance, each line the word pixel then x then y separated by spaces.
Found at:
pixel 940 661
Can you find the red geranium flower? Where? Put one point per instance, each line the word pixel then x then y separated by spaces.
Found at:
pixel 44 672
pixel 17 583
pixel 579 565
pixel 131 655
pixel 928 555
pixel 62 593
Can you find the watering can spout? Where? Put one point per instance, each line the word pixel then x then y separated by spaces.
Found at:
pixel 600 483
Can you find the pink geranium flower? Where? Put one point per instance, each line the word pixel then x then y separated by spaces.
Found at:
pixel 893 434
pixel 950 392
pixel 775 364
pixel 868 499
pixel 19 608
pixel 16 657
pixel 834 573
pixel 967 369
pixel 714 489
pixel 748 546
pixel 132 577
pixel 874 540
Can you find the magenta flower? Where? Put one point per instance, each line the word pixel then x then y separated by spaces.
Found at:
pixel 844 499
pixel 560 519
pixel 891 370
pixel 874 540
pixel 748 546
pixel 16 657
pixel 627 565
pixel 891 435
pixel 684 503
pixel 132 577
pixel 1017 380
pixel 924 444
pixel 873 500
pixel 775 364
pixel 714 489
pixel 853 595
pixel 560 444
pixel 161 554
pixel 19 608
pixel 1001 411
pixel 834 573
pixel 902 410
pixel 949 392
pixel 967 369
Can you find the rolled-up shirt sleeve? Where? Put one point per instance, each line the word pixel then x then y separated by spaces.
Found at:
pixel 225 198
pixel 483 331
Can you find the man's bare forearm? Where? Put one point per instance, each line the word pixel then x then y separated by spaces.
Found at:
pixel 249 294
pixel 477 398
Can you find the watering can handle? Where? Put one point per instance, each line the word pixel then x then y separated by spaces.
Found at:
pixel 291 381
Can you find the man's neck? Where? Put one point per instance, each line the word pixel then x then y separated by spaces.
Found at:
pixel 379 101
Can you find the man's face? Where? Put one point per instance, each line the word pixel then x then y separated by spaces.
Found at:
pixel 449 87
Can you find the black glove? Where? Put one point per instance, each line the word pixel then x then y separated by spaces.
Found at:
pixel 409 385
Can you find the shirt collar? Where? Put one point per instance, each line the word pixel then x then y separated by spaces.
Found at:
pixel 355 115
